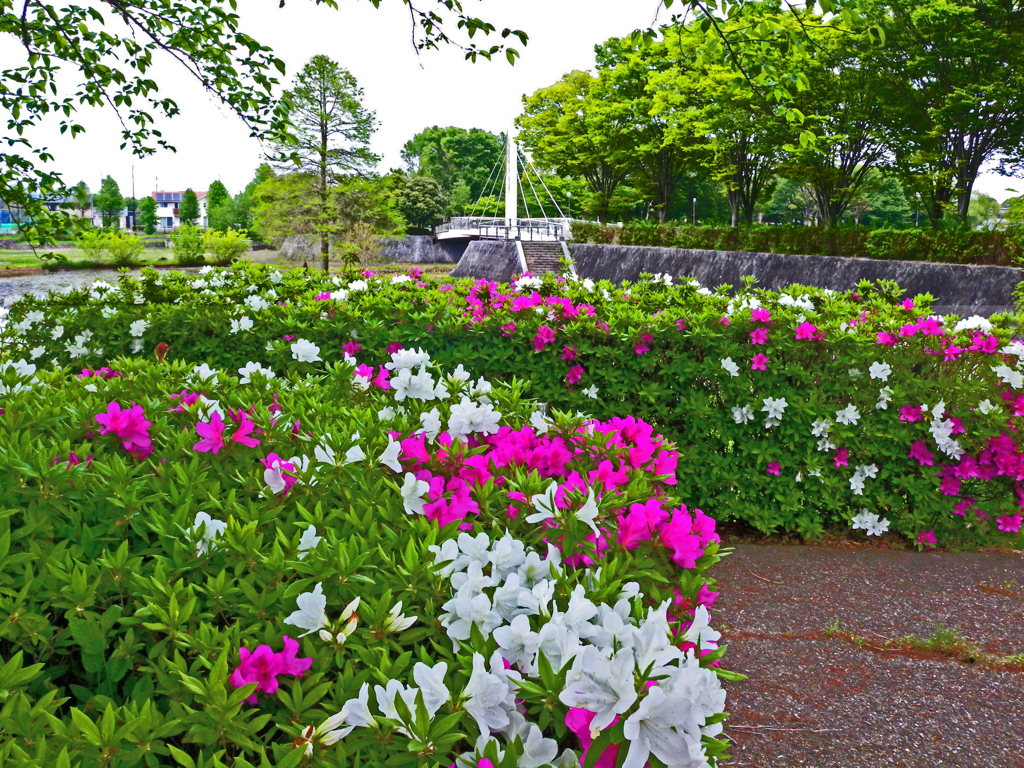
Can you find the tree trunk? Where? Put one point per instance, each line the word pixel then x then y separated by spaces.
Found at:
pixel 735 202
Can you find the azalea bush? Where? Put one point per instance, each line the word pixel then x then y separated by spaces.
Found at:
pixel 796 410
pixel 334 564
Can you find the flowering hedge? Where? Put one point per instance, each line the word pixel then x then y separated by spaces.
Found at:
pixel 199 568
pixel 791 411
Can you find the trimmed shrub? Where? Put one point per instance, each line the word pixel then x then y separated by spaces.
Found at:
pixel 188 245
pixel 1003 247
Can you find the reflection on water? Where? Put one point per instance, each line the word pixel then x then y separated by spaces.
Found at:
pixel 40 285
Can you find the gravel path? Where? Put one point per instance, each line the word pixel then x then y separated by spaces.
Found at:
pixel 841 699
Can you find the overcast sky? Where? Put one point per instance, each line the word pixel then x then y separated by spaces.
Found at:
pixel 408 91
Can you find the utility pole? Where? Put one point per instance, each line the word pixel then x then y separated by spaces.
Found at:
pixel 134 198
pixel 695 211
pixel 917 210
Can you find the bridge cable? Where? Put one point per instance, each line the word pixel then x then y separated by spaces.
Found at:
pixel 526 203
pixel 536 197
pixel 541 180
pixel 477 202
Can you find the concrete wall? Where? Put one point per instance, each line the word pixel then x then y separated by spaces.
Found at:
pixel 957 288
pixel 495 260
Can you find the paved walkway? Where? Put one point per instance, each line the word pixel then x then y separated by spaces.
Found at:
pixel 810 626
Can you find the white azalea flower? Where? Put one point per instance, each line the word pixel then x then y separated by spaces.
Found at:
pixel 880 371
pixel 591 392
pixel 305 351
pixel 396 621
pixel 308 541
pixel 848 415
pixel 412 494
pixel 390 456
pixel 732 368
pixel 602 685
pixel 742 415
pixel 310 616
pixel 213 530
pixel 139 327
pixel 544 503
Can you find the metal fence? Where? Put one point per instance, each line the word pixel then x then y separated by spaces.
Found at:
pixel 500 229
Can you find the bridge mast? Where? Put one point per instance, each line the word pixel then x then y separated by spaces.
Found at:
pixel 511 180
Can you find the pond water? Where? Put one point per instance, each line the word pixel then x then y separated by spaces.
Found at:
pixel 57 281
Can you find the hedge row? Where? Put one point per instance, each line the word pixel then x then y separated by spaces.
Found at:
pixel 791 411
pixel 1002 247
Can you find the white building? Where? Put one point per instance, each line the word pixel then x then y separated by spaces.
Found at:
pixel 168 206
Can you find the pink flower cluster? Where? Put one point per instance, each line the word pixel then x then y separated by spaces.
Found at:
pixel 103 373
pixel 452 476
pixel 130 426
pixel 263 666
pixel 212 433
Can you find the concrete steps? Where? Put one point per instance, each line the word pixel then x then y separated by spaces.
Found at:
pixel 542 257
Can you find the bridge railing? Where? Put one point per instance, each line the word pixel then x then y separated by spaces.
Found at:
pixel 500 229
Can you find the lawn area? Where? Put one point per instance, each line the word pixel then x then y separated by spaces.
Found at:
pixel 18 259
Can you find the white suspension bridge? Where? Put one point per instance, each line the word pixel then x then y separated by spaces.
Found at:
pixel 540 241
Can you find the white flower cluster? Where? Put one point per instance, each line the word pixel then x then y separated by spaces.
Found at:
pixel 244 323
pixel 524 282
pixel 802 302
pixel 775 408
pixel 870 523
pixel 1009 376
pixel 24 376
pixel 508 594
pixel 820 429
pixel 942 431
pixel 252 368
pixel 861 473
pixel 975 322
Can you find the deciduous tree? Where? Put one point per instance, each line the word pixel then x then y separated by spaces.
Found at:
pixel 188 210
pixel 109 202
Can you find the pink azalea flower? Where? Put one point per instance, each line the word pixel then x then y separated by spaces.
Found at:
pixel 679 536
pixel 761 315
pixel 351 347
pixel 381 380
pixel 1010 523
pixel 578 721
pixel 275 407
pixel 241 435
pixel 911 413
pixel 725 321
pixel 886 339
pixel 681 325
pixel 641 348
pixel 908 304
pixel 930 327
pixel 130 426
pixel 842 458
pixel 263 666
pixel 508 329
pixel 759 336
pixel 568 353
pixel 806 331
pixel 919 451
pixel 544 337
pixel 926 539
pixel 392 348
pixel 774 468
pixel 279 474
pixel 288 337
pixel 574 375
pixel 212 434
pixel 759 362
